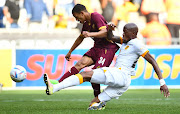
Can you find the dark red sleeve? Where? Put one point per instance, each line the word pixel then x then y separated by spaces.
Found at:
pixel 99 20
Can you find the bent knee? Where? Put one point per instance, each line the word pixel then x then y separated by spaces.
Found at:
pixel 85 61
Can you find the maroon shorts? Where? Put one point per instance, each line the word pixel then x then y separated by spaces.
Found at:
pixel 102 57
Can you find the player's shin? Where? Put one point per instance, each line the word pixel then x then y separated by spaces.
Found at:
pixel 68 82
pixel 72 71
pixel 96 88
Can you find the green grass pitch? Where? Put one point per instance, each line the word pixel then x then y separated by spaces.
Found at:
pixel 139 101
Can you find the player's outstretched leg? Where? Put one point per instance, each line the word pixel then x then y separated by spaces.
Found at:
pixel 49 86
pixel 97 106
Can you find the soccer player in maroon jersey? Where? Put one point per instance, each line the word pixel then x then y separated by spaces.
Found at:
pixel 102 54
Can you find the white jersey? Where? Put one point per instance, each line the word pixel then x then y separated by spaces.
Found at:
pixel 129 55
pixel 118 78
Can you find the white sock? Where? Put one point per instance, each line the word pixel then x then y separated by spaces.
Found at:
pixel 68 82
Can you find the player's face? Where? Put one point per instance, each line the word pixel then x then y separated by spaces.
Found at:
pixel 130 31
pixel 126 35
pixel 80 17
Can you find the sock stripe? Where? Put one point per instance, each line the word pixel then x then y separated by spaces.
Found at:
pixel 80 78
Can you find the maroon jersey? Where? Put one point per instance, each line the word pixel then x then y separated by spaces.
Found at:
pixel 96 24
pixel 102 57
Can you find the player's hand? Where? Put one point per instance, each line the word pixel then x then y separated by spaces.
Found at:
pixel 86 34
pixel 111 26
pixel 68 56
pixel 164 90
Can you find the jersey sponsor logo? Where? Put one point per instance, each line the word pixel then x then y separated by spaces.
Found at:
pixel 105 51
pixel 126 47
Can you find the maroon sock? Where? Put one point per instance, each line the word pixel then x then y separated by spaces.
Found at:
pixel 73 71
pixel 96 88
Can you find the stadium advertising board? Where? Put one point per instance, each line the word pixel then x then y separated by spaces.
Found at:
pixel 5 67
pixel 53 62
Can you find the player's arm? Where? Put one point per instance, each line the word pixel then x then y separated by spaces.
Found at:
pixel 100 24
pixel 100 34
pixel 152 61
pixel 74 46
pixel 116 39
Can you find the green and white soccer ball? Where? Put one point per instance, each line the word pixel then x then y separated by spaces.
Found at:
pixel 18 73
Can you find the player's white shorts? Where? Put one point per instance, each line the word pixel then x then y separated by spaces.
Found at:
pixel 118 80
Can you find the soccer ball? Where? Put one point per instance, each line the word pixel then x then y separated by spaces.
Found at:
pixel 18 73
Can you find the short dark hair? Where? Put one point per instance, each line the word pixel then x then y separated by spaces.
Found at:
pixel 131 27
pixel 78 8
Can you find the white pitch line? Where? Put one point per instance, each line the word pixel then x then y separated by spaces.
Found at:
pixel 42 100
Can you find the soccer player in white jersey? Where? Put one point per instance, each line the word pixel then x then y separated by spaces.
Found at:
pixel 117 78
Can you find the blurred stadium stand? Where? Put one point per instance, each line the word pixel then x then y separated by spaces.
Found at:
pixel 50 38
pixel 53 39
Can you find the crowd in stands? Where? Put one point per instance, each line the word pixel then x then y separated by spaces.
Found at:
pixel 158 20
